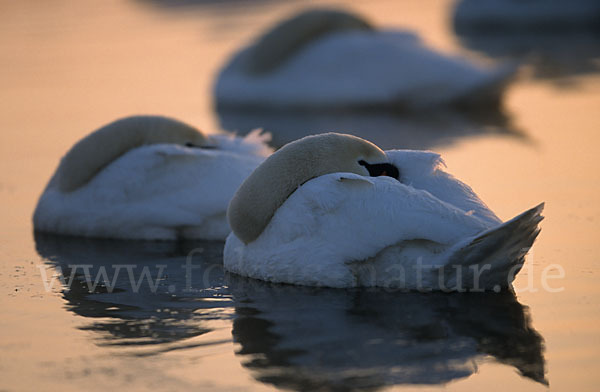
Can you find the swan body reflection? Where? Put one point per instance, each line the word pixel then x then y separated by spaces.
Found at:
pixel 303 338
pixel 292 336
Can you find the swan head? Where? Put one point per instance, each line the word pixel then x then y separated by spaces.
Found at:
pixel 95 151
pixel 267 188
pixel 291 35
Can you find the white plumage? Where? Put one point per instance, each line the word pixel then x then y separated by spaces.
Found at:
pixel 355 66
pixel 153 191
pixel 349 230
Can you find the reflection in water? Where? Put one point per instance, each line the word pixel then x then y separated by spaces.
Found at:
pixel 294 337
pixel 386 129
pixel 157 312
pixel 305 338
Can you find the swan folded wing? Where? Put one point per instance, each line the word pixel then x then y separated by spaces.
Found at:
pixel 338 216
pixel 169 185
pixel 428 78
pixel 424 170
pixel 148 171
pixel 351 179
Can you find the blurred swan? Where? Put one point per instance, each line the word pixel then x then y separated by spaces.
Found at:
pixel 557 39
pixel 526 15
pixel 335 210
pixel 331 59
pixel 148 177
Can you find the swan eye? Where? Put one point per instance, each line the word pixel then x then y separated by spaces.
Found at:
pixel 191 145
pixel 381 169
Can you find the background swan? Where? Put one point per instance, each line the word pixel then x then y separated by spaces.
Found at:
pixel 325 58
pixel 557 40
pixel 148 177
pixel 325 211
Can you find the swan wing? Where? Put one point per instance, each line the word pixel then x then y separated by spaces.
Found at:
pixel 425 170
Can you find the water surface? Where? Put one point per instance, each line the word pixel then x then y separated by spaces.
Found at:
pixel 69 67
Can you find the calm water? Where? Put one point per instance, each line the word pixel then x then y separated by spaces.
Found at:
pixel 69 67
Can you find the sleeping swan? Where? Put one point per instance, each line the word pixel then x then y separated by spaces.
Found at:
pixel 324 59
pixel 148 177
pixel 335 210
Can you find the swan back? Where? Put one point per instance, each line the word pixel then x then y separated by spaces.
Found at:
pixel 265 190
pixel 94 152
pixel 291 35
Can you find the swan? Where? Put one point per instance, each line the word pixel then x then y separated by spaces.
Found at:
pixel 335 210
pixel 323 59
pixel 148 177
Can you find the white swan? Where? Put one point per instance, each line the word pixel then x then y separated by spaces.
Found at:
pixel 148 177
pixel 329 59
pixel 314 214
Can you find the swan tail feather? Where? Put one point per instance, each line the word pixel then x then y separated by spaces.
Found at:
pixel 493 258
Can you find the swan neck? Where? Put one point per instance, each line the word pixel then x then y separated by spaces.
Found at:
pixel 103 146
